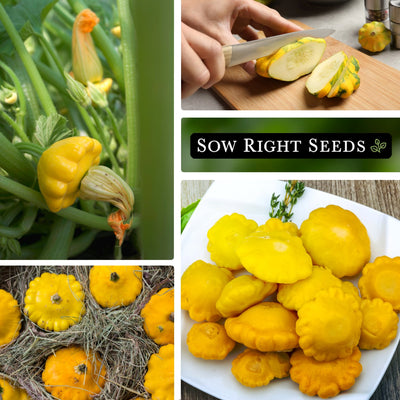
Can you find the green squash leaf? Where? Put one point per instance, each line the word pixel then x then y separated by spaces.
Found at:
pixel 26 15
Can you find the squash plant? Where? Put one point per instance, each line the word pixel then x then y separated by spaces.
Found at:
pixel 63 77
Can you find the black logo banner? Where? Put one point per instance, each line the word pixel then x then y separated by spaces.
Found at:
pixel 294 145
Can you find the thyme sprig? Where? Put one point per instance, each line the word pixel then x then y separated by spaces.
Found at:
pixel 283 209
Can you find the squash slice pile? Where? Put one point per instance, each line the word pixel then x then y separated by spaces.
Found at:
pixel 337 76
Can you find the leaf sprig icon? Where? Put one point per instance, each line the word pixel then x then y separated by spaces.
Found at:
pixel 378 146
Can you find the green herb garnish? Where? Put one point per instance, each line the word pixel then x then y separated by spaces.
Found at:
pixel 283 209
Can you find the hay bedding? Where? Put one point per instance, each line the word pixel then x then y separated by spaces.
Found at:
pixel 117 334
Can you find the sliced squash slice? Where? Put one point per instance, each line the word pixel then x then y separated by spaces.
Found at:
pixel 348 81
pixel 296 59
pixel 325 74
pixel 262 65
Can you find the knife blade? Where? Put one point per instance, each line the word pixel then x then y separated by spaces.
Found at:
pixel 242 52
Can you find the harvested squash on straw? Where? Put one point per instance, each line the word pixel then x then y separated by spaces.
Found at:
pixel 10 392
pixel 10 318
pixel 55 301
pixel 159 379
pixel 116 285
pixel 71 373
pixel 158 316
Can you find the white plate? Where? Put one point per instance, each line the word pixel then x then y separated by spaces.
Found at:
pixel 251 198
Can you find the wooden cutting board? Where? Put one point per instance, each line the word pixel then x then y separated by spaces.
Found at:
pixel 379 88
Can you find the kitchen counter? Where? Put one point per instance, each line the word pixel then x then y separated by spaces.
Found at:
pixel 346 18
pixel 380 195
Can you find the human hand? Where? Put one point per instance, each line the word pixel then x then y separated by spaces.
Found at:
pixel 203 62
pixel 220 20
pixel 223 18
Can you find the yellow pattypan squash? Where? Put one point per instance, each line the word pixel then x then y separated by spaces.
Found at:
pixel 324 378
pixel 158 315
pixel 374 36
pixel 241 293
pixel 10 392
pixel 115 285
pixel 379 326
pixel 335 238
pixel 267 326
pixel 61 168
pixel 201 286
pixel 329 326
pixel 294 295
pixel 159 379
pixel 276 257
pixel 276 225
pixel 55 301
pixel 209 340
pixel 71 373
pixel 253 368
pixel 381 279
pixel 224 237
pixel 10 318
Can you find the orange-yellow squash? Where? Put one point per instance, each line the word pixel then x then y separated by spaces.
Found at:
pixel 253 368
pixel 115 285
pixel 379 325
pixel 10 318
pixel 381 279
pixel 325 378
pixel 72 374
pixel 158 315
pixel 201 286
pixel 10 392
pixel 159 379
pixel 209 340
pixel 329 326
pixel 267 326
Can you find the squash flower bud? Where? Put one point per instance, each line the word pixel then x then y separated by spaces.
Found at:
pixel 8 96
pixel 77 91
pixel 86 65
pixel 102 183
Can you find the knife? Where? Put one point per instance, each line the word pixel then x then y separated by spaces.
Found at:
pixel 242 52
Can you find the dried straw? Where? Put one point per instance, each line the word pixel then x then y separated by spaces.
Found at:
pixel 117 335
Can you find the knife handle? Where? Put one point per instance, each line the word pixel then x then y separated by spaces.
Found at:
pixel 227 51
